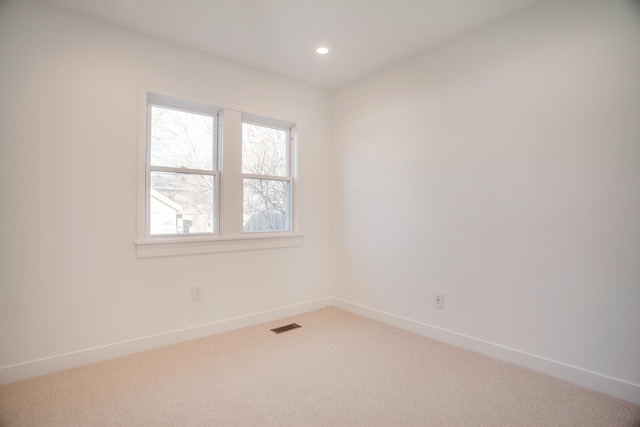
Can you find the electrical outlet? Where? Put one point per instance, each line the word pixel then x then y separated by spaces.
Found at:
pixel 438 300
pixel 196 295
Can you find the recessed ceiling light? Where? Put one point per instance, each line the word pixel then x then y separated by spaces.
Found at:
pixel 322 51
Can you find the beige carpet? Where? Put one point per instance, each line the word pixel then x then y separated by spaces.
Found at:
pixel 339 369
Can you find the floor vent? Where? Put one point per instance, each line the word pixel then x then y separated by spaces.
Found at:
pixel 285 328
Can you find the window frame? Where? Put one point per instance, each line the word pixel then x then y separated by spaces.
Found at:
pixel 177 104
pixel 229 234
pixel 290 130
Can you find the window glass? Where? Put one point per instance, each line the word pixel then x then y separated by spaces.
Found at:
pixel 181 203
pixel 264 150
pixel 181 139
pixel 266 205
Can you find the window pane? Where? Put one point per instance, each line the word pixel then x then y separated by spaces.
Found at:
pixel 264 150
pixel 266 205
pixel 181 203
pixel 180 139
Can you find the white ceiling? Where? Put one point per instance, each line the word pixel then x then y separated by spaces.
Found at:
pixel 280 36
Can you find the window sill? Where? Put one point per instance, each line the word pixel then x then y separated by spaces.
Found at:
pixel 193 245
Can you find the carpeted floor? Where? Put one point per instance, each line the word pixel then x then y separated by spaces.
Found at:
pixel 339 369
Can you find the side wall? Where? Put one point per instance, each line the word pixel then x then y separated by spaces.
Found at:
pixel 502 169
pixel 69 277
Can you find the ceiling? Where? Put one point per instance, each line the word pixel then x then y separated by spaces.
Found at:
pixel 280 36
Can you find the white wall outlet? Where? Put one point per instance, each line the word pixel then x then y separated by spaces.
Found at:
pixel 196 294
pixel 438 300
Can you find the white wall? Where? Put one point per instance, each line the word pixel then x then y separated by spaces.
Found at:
pixel 69 276
pixel 502 169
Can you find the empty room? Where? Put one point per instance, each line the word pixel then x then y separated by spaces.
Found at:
pixel 320 213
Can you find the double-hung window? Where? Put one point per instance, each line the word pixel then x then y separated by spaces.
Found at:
pixel 182 177
pixel 215 179
pixel 266 176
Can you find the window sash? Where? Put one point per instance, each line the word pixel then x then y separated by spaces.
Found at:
pixel 288 178
pixel 289 139
pixel 267 214
pixel 215 202
pixel 215 166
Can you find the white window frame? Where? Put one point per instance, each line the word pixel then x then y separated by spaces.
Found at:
pixel 228 232
pixel 289 128
pixel 177 104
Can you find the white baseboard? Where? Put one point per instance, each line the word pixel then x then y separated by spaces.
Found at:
pixel 34 368
pixel 582 377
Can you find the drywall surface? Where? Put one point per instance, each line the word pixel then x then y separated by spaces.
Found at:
pixel 502 169
pixel 69 110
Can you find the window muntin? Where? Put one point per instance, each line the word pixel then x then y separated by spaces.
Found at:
pixel 267 181
pixel 181 172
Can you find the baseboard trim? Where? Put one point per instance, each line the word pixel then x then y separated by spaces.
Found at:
pixel 34 368
pixel 582 377
pixel 575 375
